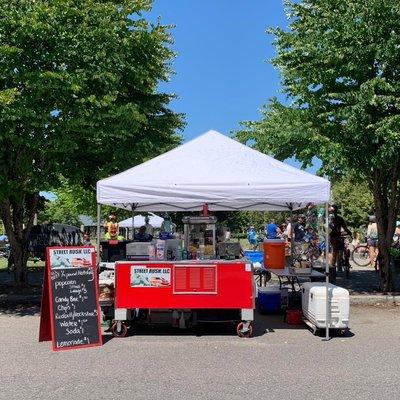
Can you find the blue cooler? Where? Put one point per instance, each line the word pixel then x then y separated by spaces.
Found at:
pixel 269 299
pixel 255 256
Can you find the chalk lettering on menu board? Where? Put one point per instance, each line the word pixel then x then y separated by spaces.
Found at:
pixel 75 308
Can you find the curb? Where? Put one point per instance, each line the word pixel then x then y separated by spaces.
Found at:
pixel 374 300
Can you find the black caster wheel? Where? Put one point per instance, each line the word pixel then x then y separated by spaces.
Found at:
pixel 247 333
pixel 119 329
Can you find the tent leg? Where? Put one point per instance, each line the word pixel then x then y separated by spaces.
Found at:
pixel 291 237
pixel 98 234
pixel 328 308
pixel 133 222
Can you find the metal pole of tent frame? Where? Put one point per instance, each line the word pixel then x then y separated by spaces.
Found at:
pixel 291 235
pixel 328 308
pixel 133 222
pixel 98 234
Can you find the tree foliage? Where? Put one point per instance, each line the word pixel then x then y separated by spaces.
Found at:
pixel 71 202
pixel 240 221
pixel 354 199
pixel 78 98
pixel 340 69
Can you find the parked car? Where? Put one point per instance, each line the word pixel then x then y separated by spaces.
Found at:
pixel 46 235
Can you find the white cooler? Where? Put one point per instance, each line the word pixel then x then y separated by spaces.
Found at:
pixel 314 305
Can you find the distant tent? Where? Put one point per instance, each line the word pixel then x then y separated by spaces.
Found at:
pixel 139 221
pixel 85 220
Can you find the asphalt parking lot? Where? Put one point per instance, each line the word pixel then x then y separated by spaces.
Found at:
pixel 280 362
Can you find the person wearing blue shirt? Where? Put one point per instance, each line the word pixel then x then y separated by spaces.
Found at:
pixel 271 230
pixel 252 237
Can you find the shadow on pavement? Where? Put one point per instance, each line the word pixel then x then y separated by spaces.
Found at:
pixel 364 281
pixel 20 309
pixel 335 334
pixel 263 324
pixel 35 278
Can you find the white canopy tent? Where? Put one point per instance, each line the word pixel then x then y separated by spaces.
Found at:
pixel 139 220
pixel 219 171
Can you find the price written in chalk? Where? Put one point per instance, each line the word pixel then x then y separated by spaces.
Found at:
pixel 75 311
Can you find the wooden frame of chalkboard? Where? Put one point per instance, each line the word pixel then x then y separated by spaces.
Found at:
pixel 72 285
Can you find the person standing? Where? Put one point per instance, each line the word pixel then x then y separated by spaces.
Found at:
pixel 86 239
pixel 288 231
pixel 111 227
pixel 299 229
pixel 397 230
pixel 372 239
pixel 271 230
pixel 149 227
pixel 337 225
pixel 282 231
pixel 396 237
pixel 142 235
pixel 252 237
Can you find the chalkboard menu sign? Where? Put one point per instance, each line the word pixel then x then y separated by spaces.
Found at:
pixel 73 297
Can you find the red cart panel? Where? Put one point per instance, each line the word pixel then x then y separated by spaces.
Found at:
pixel 177 285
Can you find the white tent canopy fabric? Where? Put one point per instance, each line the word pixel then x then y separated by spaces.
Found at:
pixel 138 221
pixel 217 170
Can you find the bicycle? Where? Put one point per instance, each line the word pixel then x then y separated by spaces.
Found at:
pixel 360 255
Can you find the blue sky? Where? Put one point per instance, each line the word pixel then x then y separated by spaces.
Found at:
pixel 222 74
pixel 222 71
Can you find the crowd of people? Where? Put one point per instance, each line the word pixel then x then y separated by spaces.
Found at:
pixel 309 236
pixel 305 228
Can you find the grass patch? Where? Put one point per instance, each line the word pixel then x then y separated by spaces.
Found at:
pixel 3 264
pixel 32 264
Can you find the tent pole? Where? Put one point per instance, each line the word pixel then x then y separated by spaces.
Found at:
pixel 328 308
pixel 133 222
pixel 98 234
pixel 291 235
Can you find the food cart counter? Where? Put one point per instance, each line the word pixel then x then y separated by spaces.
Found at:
pixel 183 290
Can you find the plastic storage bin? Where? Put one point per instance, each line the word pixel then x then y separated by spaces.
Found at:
pixel 314 305
pixel 274 253
pixel 269 299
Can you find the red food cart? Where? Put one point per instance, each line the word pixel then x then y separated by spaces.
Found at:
pixel 181 292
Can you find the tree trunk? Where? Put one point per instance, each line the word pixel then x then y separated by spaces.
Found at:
pixel 385 271
pixel 20 259
pixel 387 206
pixel 14 213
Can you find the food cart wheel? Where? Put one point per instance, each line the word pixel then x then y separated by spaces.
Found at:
pixel 119 329
pixel 244 332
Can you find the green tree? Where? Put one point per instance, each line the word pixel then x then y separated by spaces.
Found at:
pixel 355 200
pixel 340 67
pixel 78 99
pixel 71 202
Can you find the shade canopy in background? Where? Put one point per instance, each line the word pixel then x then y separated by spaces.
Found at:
pixel 217 170
pixel 138 221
